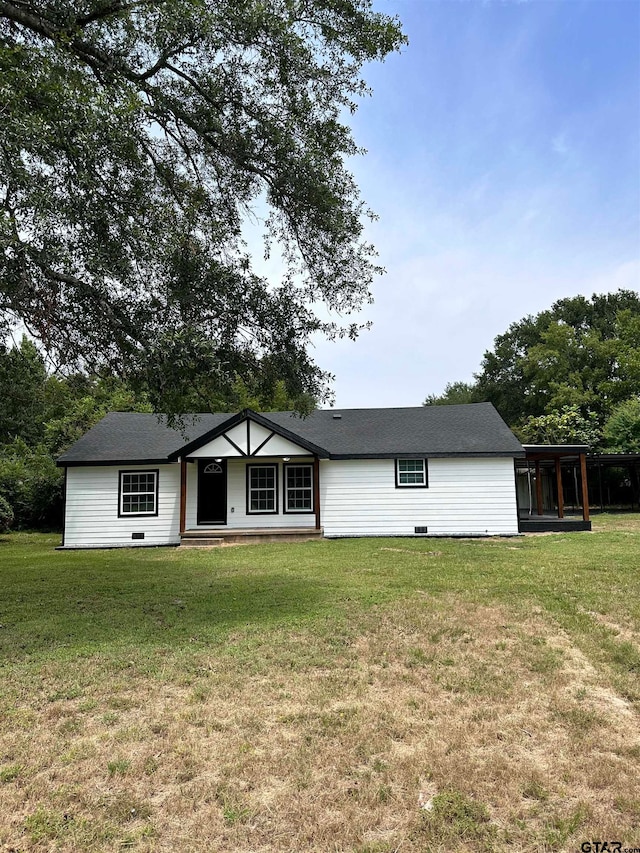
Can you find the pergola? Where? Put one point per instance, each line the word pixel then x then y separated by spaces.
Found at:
pixel 551 457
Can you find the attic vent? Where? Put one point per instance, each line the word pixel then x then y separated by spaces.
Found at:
pixel 420 529
pixel 337 417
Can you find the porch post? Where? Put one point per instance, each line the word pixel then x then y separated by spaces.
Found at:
pixel 183 494
pixel 316 490
pixel 600 485
pixel 585 488
pixel 538 488
pixel 559 485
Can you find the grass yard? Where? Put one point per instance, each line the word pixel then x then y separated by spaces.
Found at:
pixel 357 695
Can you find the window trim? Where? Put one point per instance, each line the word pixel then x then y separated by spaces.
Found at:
pixel 276 509
pixel 285 489
pixel 425 468
pixel 156 476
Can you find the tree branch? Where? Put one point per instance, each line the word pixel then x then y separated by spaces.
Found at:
pixel 117 318
pixel 110 9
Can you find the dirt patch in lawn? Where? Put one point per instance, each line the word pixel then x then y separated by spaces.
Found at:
pixel 429 725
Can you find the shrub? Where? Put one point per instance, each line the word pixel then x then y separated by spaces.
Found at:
pixel 32 485
pixel 6 515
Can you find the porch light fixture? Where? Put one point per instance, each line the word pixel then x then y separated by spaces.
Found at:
pixel 286 458
pixel 218 460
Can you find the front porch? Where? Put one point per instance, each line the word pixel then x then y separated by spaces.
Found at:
pixel 252 536
pixel 248 483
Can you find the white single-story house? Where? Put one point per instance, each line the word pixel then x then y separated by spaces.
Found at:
pixel 428 471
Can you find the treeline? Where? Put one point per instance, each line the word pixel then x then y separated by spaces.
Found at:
pixel 42 414
pixel 570 374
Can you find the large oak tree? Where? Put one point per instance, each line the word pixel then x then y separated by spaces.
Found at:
pixel 581 352
pixel 581 355
pixel 137 137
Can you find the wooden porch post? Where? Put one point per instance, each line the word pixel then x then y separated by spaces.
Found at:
pixel 600 485
pixel 559 485
pixel 316 490
pixel 183 494
pixel 585 488
pixel 538 488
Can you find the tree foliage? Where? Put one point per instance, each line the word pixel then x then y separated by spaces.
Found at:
pixel 22 392
pixel 39 408
pixel 622 429
pixel 453 394
pixel 41 415
pixel 580 352
pixel 569 375
pixel 6 515
pixel 580 357
pixel 568 425
pixel 88 400
pixel 32 485
pixel 136 139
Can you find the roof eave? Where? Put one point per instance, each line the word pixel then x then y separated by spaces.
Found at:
pixel 84 463
pixel 557 448
pixel 510 454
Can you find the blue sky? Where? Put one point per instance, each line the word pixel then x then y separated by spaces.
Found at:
pixel 504 164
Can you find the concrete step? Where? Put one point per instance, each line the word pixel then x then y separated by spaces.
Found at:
pixel 254 536
pixel 242 538
pixel 225 532
pixel 200 542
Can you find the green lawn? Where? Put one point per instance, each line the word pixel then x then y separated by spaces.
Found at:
pixel 312 696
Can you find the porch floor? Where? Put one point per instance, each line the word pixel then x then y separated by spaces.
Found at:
pixel 200 538
pixel 552 524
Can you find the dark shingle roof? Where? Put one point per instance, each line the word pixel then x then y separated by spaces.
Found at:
pixel 475 429
pixel 137 437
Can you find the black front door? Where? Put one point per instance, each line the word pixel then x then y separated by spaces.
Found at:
pixel 212 491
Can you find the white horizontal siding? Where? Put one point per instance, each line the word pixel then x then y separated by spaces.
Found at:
pixel 466 496
pixel 357 498
pixel 91 508
pixel 237 516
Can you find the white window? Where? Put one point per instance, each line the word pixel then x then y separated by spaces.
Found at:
pixel 298 487
pixel 262 489
pixel 138 493
pixel 411 472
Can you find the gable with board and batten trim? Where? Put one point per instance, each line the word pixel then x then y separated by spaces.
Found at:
pixel 248 439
